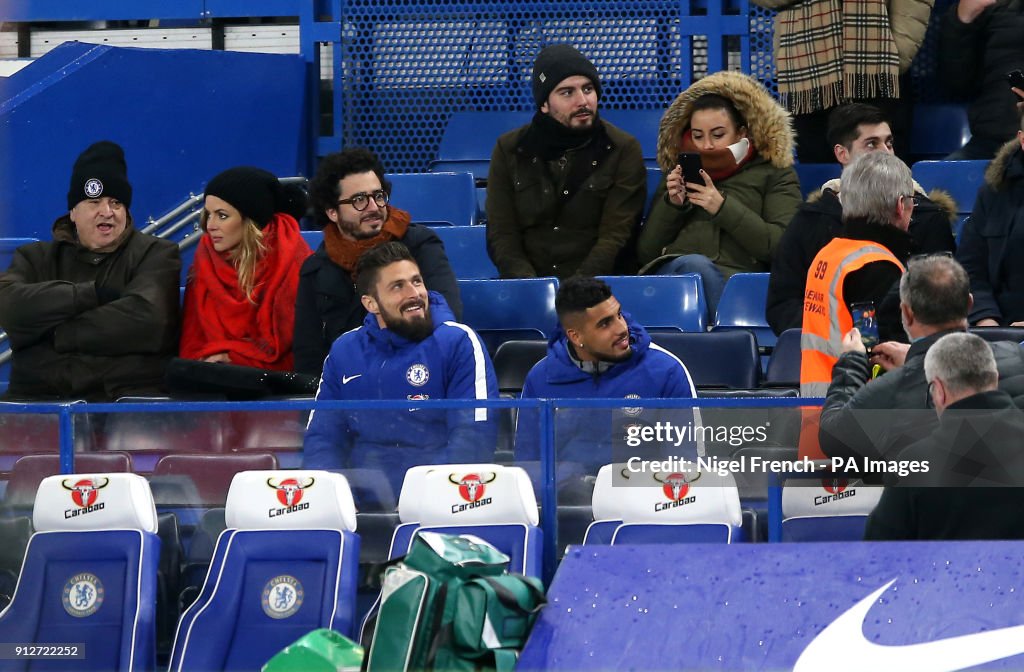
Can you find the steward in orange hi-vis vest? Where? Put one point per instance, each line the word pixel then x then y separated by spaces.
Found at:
pixel 826 316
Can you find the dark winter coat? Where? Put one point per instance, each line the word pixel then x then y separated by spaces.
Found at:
pixel 992 245
pixel 530 233
pixel 67 342
pixel 327 305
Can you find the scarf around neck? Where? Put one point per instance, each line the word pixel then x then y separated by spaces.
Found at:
pixel 831 52
pixel 219 317
pixel 720 164
pixel 551 139
pixel 345 252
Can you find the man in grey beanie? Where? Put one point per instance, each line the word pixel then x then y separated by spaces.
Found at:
pixel 565 192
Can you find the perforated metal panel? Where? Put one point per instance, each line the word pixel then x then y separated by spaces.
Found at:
pixel 408 64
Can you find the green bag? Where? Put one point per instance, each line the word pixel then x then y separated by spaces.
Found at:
pixel 452 605
pixel 322 650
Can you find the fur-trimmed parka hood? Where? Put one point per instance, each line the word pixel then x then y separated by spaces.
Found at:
pixel 995 174
pixel 769 125
pixel 940 197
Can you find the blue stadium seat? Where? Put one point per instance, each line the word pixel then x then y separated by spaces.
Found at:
pixel 644 125
pixel 662 302
pixel 961 179
pixel 664 508
pixel 437 498
pixel 742 307
pixel 826 510
pixel 90 574
pixel 505 310
pixel 654 178
pixel 435 198
pixel 716 359
pixel 469 139
pixel 813 175
pixel 286 565
pixel 513 361
pixel 938 130
pixel 784 365
pixel 313 238
pixel 466 247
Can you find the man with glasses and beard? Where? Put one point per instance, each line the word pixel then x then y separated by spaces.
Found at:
pixel 409 347
pixel 566 191
pixel 351 201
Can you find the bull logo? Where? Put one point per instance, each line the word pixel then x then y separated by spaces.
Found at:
pixel 472 486
pixel 834 485
pixel 84 491
pixel 289 491
pixel 675 486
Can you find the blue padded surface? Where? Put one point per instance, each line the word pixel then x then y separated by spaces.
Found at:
pixel 743 306
pixel 717 358
pixel 502 310
pixel 662 302
pixel 227 628
pixel 824 528
pixel 601 532
pixel 120 631
pixel 697 533
pixel 466 247
pixel 961 179
pixel 436 197
pixel 813 175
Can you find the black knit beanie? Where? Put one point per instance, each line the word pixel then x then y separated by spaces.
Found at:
pixel 257 194
pixel 100 171
pixel 554 64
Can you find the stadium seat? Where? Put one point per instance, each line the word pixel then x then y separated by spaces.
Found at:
pixel 830 509
pixel 90 574
pixel 938 130
pixel 30 470
pixel 784 365
pixel 996 334
pixel 313 238
pixel 286 565
pixel 466 247
pixel 444 498
pixel 664 508
pixel 505 310
pixel 513 361
pixel 662 302
pixel 644 125
pixel 654 178
pixel 742 306
pixel 813 175
pixel 469 139
pixel 211 475
pixel 961 179
pixel 716 359
pixel 438 198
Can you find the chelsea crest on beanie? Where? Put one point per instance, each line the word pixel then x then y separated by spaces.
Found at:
pixel 555 63
pixel 100 171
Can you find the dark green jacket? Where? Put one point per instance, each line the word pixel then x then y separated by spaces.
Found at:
pixel 760 200
pixel 529 235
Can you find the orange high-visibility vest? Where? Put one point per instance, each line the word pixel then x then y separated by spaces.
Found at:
pixel 826 315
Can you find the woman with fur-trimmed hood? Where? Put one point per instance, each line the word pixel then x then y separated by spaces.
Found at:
pixel 732 222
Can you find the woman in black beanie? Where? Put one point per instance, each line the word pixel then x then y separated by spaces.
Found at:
pixel 240 294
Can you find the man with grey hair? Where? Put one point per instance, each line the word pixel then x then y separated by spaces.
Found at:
pixel 860 267
pixel 862 417
pixel 976 444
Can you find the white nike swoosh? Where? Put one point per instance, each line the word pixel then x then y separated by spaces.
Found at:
pixel 345 379
pixel 843 646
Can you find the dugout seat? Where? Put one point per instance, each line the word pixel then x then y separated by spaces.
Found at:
pixel 90 573
pixel 664 508
pixel 505 310
pixel 286 564
pixel 716 359
pixel 829 509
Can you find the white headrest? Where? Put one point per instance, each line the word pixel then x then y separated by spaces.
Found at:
pixel 828 497
pixel 78 502
pixel 467 494
pixel 290 500
pixel 655 497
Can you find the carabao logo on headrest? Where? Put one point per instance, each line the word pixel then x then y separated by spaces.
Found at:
pixel 837 489
pixel 675 486
pixel 472 488
pixel 289 494
pixel 84 493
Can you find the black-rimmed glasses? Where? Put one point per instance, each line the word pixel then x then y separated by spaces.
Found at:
pixel 362 199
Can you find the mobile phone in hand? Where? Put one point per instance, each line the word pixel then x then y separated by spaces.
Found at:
pixel 1016 78
pixel 690 161
pixel 866 322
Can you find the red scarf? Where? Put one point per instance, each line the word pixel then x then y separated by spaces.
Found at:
pixel 718 163
pixel 218 317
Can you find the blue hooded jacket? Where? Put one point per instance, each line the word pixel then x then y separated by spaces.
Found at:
pixel 585 435
pixel 374 363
